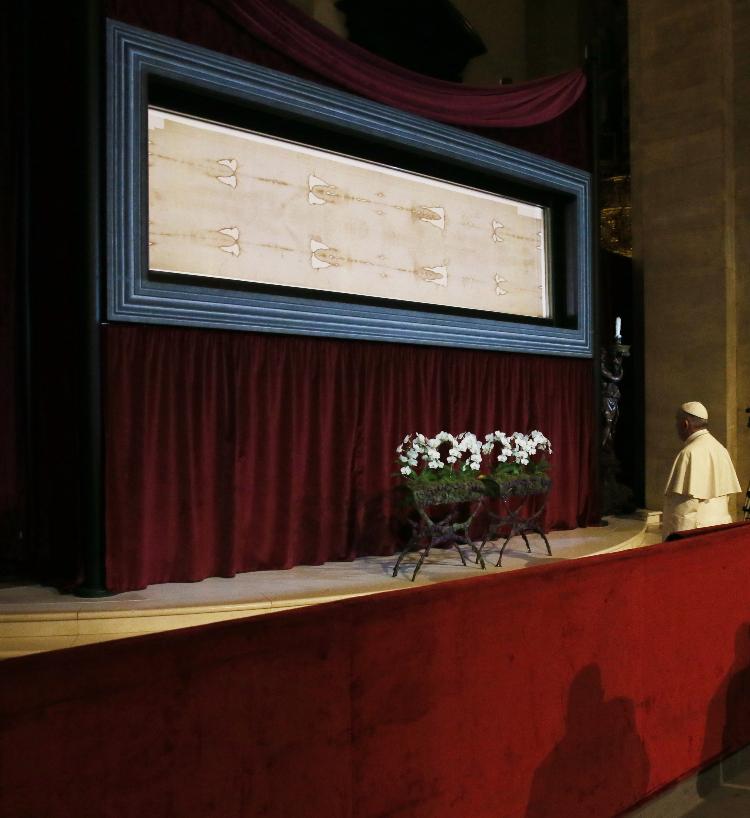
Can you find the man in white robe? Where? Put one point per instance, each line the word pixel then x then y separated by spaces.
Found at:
pixel 702 476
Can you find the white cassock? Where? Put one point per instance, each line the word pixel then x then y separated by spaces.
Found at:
pixel 699 485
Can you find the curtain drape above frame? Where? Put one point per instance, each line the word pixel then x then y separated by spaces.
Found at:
pixel 307 42
pixel 276 35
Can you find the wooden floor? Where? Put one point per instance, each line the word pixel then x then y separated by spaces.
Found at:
pixel 35 618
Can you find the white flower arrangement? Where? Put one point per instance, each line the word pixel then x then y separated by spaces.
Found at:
pixel 461 453
pixel 446 456
pixel 517 448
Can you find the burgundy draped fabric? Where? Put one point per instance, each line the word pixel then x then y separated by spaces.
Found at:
pixel 230 452
pixel 254 31
pixel 311 44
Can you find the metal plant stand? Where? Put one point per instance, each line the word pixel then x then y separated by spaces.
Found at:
pixel 512 520
pixel 445 529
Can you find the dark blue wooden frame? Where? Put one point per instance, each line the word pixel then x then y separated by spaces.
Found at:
pixel 135 57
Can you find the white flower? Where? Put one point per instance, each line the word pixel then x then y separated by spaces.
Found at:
pixel 467 450
pixel 467 440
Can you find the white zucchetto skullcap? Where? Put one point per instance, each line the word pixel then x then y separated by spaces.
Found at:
pixel 693 407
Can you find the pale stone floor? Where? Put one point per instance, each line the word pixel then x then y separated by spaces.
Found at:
pixel 729 798
pixel 732 798
pixel 35 618
pixel 723 803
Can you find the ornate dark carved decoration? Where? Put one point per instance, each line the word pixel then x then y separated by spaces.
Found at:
pixel 616 497
pixel 612 374
pixel 615 229
pixel 428 36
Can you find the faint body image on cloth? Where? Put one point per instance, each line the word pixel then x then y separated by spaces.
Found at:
pixel 231 204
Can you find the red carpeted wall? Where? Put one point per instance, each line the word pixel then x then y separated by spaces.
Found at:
pixel 571 690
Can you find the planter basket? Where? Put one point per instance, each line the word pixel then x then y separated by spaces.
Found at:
pixel 445 492
pixel 525 486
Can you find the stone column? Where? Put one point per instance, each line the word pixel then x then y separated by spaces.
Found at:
pixel 690 146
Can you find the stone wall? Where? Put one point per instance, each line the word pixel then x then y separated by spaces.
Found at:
pixel 688 78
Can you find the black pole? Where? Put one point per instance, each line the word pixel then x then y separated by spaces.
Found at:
pixel 20 27
pixel 592 71
pixel 91 422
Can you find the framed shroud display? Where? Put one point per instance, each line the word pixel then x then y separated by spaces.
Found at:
pixel 243 198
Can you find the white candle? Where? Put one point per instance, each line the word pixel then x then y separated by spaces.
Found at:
pixel 618 327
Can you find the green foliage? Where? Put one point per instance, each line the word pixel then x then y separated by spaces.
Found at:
pixel 507 471
pixel 538 467
pixel 431 477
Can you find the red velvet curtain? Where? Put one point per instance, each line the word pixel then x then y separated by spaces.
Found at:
pixel 232 452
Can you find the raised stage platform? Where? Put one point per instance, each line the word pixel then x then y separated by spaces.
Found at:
pixel 35 618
